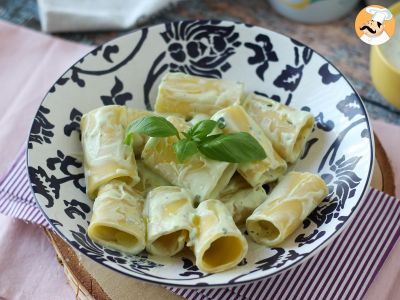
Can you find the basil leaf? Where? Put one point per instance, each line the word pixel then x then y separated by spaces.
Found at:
pixel 184 149
pixel 211 138
pixel 237 147
pixel 153 126
pixel 128 138
pixel 202 129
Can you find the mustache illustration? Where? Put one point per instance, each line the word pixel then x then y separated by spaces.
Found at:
pixel 368 28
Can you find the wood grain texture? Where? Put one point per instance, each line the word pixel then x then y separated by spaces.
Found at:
pixel 83 283
pixel 386 173
pixel 87 277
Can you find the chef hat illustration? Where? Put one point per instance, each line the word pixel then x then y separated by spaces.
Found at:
pixel 379 14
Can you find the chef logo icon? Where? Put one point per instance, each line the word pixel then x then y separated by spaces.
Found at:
pixel 374 25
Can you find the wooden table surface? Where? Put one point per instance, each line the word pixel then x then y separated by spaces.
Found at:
pixel 336 41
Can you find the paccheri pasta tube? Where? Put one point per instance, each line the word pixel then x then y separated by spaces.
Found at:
pixel 189 95
pixel 106 157
pixel 168 210
pixel 117 220
pixel 235 119
pixel 290 202
pixel 202 177
pixel 218 244
pixel 241 199
pixel 286 127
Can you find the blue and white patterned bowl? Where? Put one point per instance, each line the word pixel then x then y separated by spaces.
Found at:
pixel 128 70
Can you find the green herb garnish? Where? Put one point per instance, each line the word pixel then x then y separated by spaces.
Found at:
pixel 152 126
pixel 234 147
pixel 201 129
pixel 184 149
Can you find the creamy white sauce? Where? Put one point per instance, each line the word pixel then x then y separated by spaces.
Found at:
pixel 391 49
pixel 100 148
pixel 197 118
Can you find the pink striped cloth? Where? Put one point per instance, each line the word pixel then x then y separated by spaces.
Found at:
pixel 16 196
pixel 343 270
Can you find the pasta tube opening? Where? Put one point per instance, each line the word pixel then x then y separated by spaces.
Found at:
pixel 117 220
pixel 167 210
pixel 170 244
pixel 218 243
pixel 223 251
pixel 115 236
pixel 264 229
pixel 290 202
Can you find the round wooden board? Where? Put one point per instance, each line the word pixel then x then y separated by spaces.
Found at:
pixel 93 281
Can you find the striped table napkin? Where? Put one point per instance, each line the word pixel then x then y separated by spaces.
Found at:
pixel 16 197
pixel 343 270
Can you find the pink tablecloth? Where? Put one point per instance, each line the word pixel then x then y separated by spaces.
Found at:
pixel 29 63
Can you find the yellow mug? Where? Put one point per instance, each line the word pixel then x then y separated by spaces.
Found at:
pixel 386 77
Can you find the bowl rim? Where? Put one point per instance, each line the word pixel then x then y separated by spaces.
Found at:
pixel 307 256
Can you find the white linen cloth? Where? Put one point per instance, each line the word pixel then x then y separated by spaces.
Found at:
pixel 93 15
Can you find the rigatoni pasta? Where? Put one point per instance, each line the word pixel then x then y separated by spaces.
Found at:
pixel 286 127
pixel 241 199
pixel 117 220
pixel 202 177
pixel 106 157
pixel 189 95
pixel 289 203
pixel 235 119
pixel 186 154
pixel 168 211
pixel 218 244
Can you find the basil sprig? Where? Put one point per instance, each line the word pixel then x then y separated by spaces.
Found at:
pixel 184 149
pixel 236 147
pixel 201 129
pixel 152 126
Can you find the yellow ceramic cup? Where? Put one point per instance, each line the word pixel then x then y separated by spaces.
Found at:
pixel 385 77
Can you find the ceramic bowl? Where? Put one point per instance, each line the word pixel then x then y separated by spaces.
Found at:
pixel 127 71
pixel 315 11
